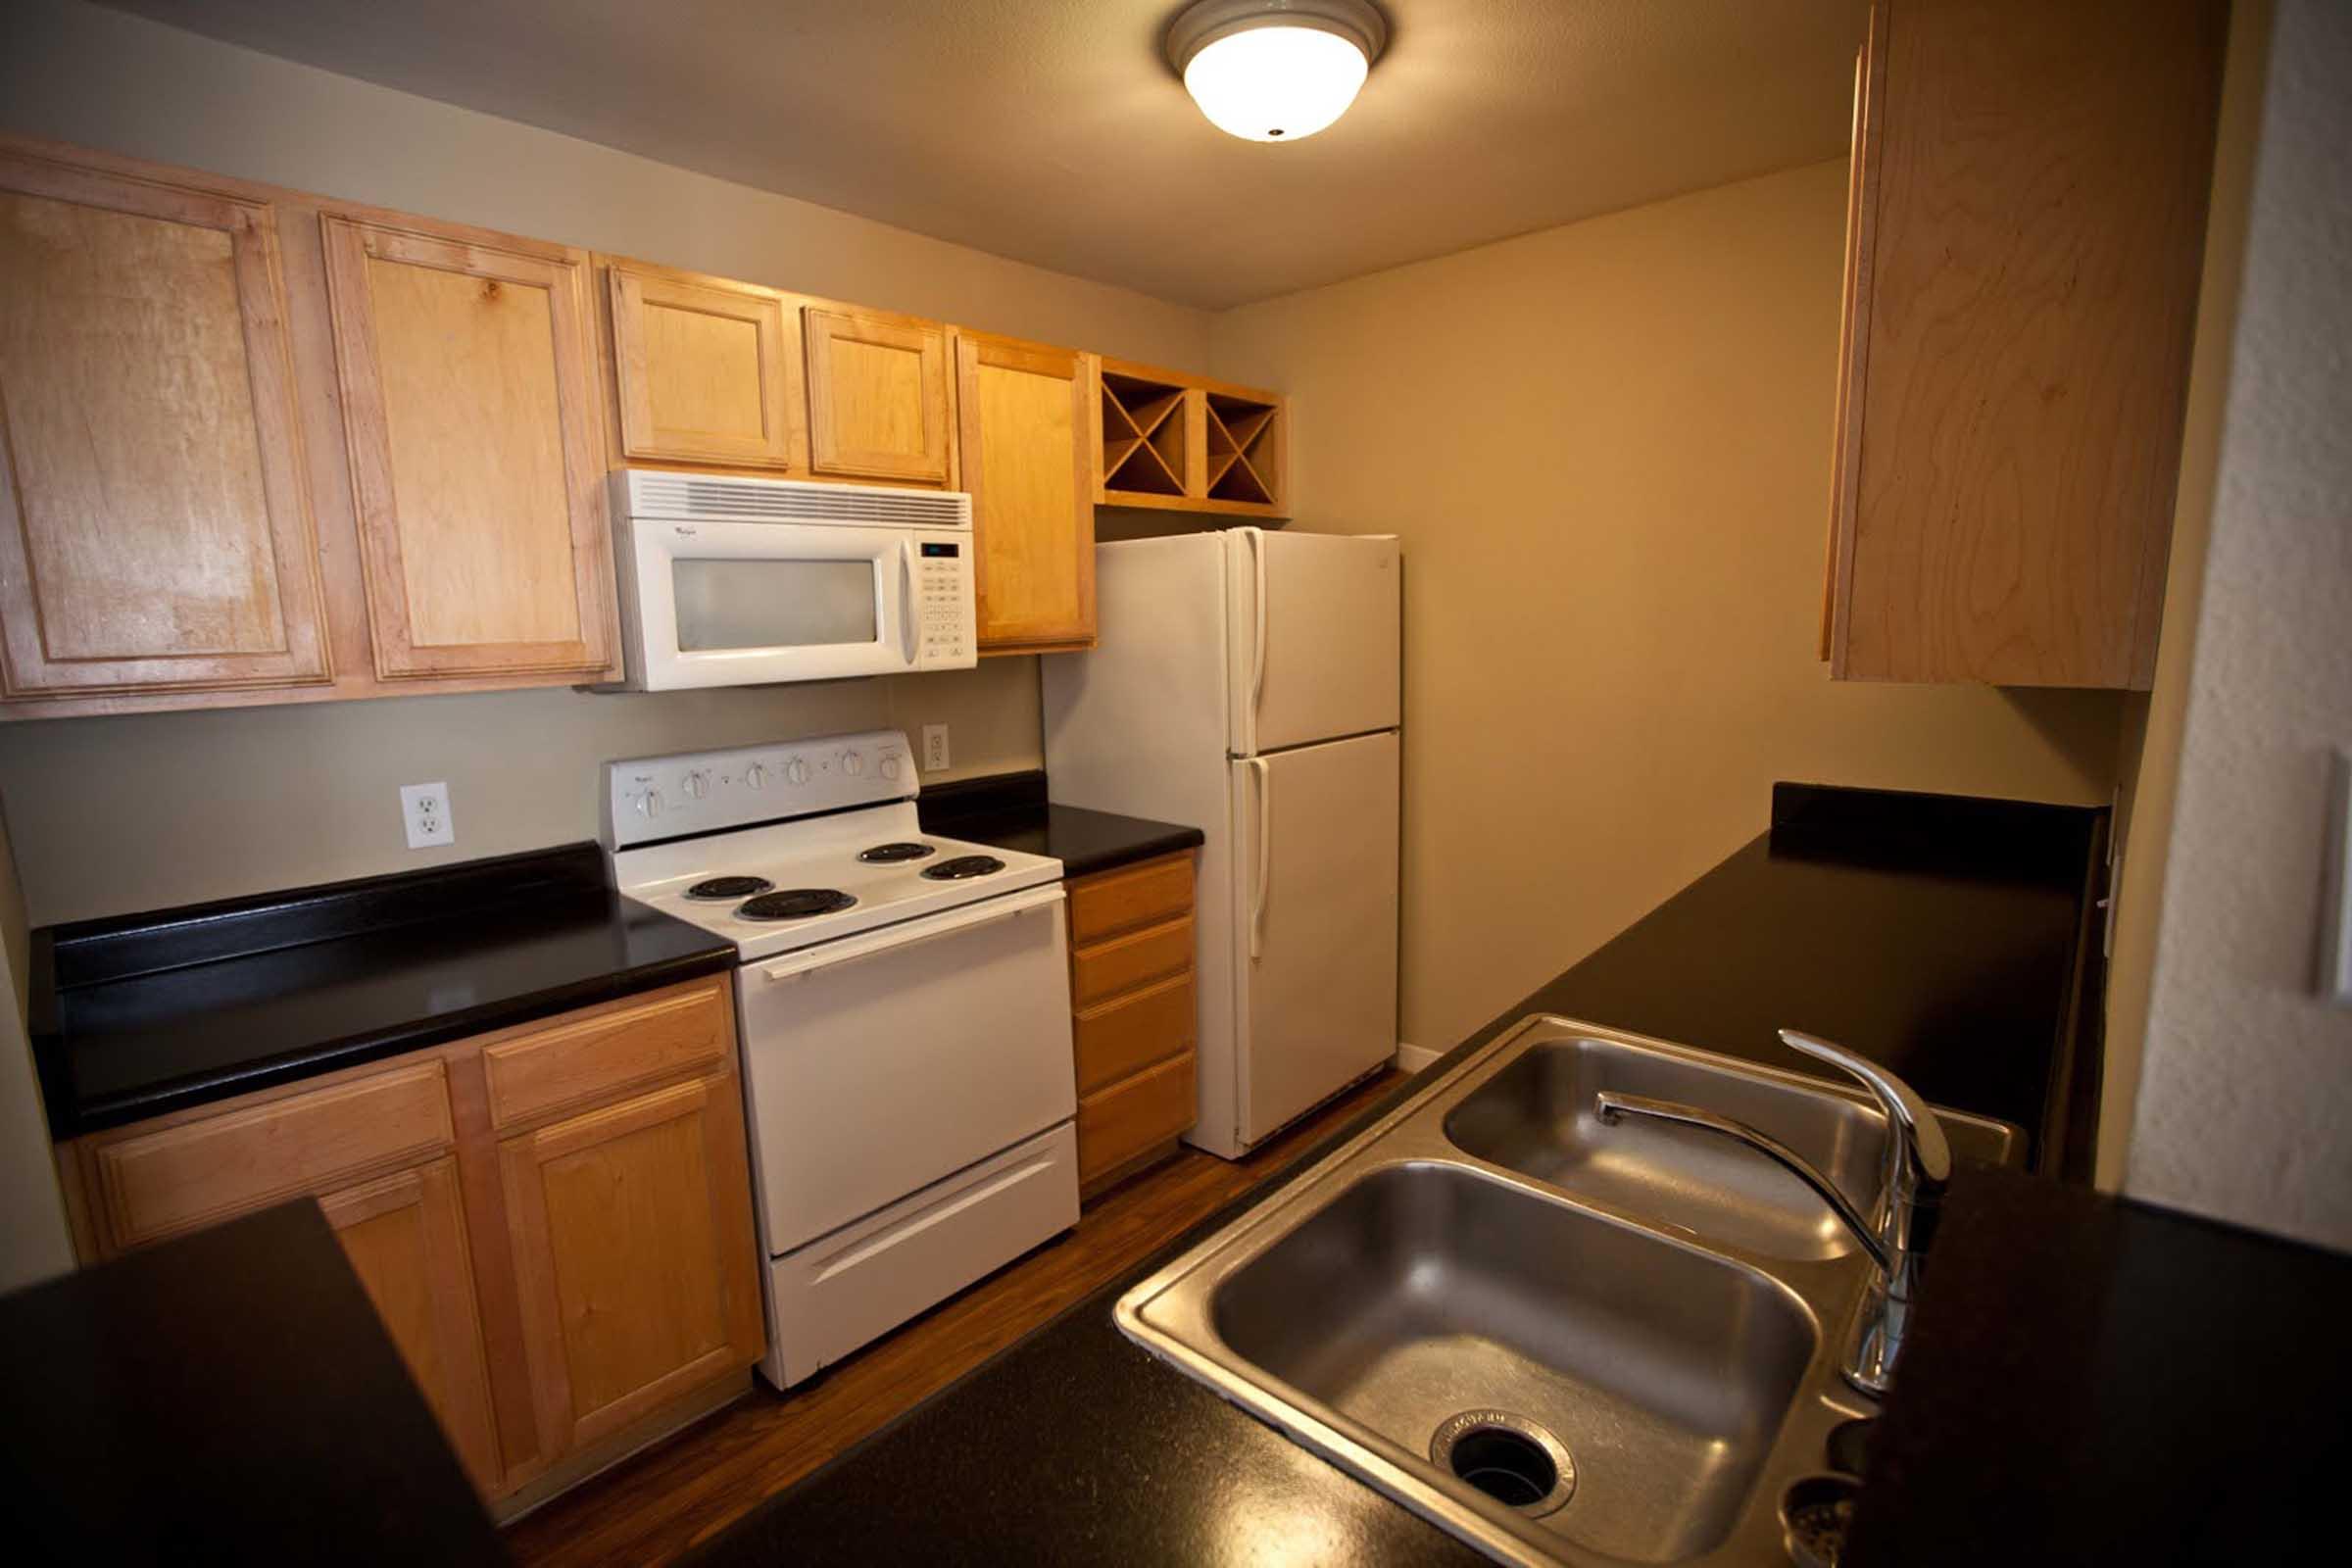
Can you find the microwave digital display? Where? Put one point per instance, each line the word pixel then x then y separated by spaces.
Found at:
pixel 941 550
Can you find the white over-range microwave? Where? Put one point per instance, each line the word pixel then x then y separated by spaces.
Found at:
pixel 745 582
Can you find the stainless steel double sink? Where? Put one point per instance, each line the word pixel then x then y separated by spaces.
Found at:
pixel 1562 1341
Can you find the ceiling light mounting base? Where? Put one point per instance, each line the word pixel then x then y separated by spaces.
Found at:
pixel 1204 21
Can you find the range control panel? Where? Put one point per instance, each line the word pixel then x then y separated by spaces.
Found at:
pixel 652 798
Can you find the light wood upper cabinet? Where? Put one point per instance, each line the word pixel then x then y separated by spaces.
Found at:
pixel 2029 210
pixel 1022 412
pixel 155 525
pixel 405 1234
pixel 705 370
pixel 469 407
pixel 631 1231
pixel 877 396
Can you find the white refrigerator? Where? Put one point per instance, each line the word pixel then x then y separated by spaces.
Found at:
pixel 1247 683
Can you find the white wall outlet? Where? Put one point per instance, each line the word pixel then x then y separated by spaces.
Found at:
pixel 425 809
pixel 935 747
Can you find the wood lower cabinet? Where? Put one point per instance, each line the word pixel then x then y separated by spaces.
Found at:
pixel 470 408
pixel 1135 1014
pixel 1022 412
pixel 877 396
pixel 405 1234
pixel 630 1227
pixel 155 521
pixel 553 1220
pixel 2027 229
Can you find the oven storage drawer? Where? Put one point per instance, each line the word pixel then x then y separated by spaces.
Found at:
pixel 840 1290
pixel 885 1062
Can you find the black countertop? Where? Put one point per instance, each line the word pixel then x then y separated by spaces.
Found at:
pixel 141 1014
pixel 2090 1379
pixel 1010 811
pixel 1874 918
pixel 265 1417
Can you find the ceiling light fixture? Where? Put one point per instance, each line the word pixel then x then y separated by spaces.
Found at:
pixel 1275 69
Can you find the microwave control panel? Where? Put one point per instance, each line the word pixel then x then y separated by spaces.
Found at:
pixel 942 602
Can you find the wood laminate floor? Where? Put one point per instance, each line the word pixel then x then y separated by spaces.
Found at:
pixel 689 1487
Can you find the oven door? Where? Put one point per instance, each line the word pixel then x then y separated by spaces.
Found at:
pixel 742 604
pixel 879 1063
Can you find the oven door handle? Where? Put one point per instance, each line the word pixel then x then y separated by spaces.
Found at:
pixel 873 946
pixel 906 607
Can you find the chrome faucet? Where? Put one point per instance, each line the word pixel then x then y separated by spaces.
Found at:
pixel 1896 1234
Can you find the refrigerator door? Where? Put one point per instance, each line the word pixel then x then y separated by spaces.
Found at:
pixel 1314 923
pixel 1314 632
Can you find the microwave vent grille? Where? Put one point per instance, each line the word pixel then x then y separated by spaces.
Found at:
pixel 689 497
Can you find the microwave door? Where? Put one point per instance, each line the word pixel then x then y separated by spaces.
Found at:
pixel 728 603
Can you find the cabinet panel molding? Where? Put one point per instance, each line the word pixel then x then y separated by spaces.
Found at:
pixel 1023 414
pixel 705 370
pixel 470 412
pixel 154 524
pixel 877 396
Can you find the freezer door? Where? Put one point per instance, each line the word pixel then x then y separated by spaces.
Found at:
pixel 1314 941
pixel 1314 631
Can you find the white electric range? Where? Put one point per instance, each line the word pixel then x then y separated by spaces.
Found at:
pixel 905 1011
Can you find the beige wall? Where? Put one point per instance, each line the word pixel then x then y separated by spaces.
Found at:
pixel 1606 449
pixel 34 1243
pixel 2149 760
pixel 124 813
pixel 2244 1111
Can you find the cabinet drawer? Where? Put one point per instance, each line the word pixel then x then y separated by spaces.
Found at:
pixel 1140 895
pixel 670 1032
pixel 1129 1118
pixel 1122 963
pixel 153 1183
pixel 1123 1037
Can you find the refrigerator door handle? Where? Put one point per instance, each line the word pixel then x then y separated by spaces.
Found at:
pixel 1263 778
pixel 1257 648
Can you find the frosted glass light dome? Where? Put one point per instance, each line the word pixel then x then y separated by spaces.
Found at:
pixel 1275 69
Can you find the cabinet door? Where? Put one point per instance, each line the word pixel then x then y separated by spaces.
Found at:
pixel 1022 415
pixel 470 413
pixel 405 1234
pixel 639 1273
pixel 154 527
pixel 877 396
pixel 706 371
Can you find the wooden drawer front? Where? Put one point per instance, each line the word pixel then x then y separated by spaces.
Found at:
pixel 1122 1038
pixel 154 1184
pixel 670 1032
pixel 1140 895
pixel 1126 962
pixel 1128 1118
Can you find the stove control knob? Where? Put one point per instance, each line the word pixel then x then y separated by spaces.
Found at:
pixel 890 768
pixel 698 784
pixel 852 763
pixel 650 804
pixel 756 775
pixel 796 771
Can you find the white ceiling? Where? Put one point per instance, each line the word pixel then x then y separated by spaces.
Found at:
pixel 1053 130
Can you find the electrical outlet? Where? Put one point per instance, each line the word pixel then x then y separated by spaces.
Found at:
pixel 425 809
pixel 935 747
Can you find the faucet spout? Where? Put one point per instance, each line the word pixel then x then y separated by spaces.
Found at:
pixel 1919 1164
pixel 1612 1108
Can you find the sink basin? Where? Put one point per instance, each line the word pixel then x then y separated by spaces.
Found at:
pixel 1663 1372
pixel 1565 1342
pixel 1535 1117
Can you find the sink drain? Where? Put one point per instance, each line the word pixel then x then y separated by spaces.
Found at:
pixel 1507 1456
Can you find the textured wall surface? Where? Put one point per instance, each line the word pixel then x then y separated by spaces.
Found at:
pixel 1606 449
pixel 2245 1099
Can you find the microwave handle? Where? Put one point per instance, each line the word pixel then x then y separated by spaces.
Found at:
pixel 907 613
